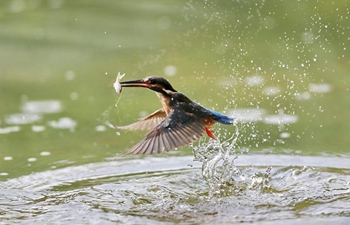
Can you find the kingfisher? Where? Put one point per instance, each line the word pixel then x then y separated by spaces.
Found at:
pixel 179 122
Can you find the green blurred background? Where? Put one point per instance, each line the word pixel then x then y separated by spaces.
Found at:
pixel 226 55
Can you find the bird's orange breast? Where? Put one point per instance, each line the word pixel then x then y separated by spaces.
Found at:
pixel 208 121
pixel 208 127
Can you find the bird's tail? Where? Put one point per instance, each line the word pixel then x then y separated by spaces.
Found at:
pixel 222 118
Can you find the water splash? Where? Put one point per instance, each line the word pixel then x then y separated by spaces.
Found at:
pixel 219 171
pixel 105 117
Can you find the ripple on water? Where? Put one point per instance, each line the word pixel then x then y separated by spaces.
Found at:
pixel 158 190
pixel 271 90
pixel 8 158
pixel 255 80
pixel 248 114
pixel 10 129
pixel 31 112
pixel 63 123
pixel 302 96
pixel 320 88
pixel 22 118
pixel 45 106
pixel 280 119
pixel 38 128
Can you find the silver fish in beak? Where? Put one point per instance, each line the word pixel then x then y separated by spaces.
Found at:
pixel 117 86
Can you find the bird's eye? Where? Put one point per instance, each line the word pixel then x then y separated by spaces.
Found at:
pixel 151 81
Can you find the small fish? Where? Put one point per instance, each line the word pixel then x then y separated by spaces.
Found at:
pixel 116 85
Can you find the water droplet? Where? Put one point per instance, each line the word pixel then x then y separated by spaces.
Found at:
pixel 45 153
pixel 74 96
pixel 8 158
pixel 70 75
pixel 170 70
pixel 100 128
pixel 285 135
pixel 38 128
pixel 307 38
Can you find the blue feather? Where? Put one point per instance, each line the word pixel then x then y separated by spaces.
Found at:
pixel 221 118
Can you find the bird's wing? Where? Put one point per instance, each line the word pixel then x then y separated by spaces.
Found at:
pixel 178 129
pixel 147 123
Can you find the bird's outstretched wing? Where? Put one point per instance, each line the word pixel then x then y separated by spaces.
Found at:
pixel 147 123
pixel 178 129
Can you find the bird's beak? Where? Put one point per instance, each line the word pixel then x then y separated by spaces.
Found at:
pixel 135 83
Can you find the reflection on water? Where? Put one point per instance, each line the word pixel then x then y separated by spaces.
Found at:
pixel 248 115
pixel 271 90
pixel 63 123
pixel 45 153
pixel 280 118
pixel 8 158
pixel 255 115
pixel 320 88
pixel 50 106
pixel 6 130
pixel 22 118
pixel 32 159
pixel 302 96
pixel 33 112
pixel 255 80
pixel 100 128
pixel 38 128
pixel 285 135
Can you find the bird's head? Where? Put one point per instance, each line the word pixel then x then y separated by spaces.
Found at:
pixel 157 84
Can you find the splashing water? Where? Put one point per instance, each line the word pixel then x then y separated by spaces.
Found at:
pixel 219 171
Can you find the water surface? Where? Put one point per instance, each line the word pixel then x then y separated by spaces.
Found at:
pixel 279 67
